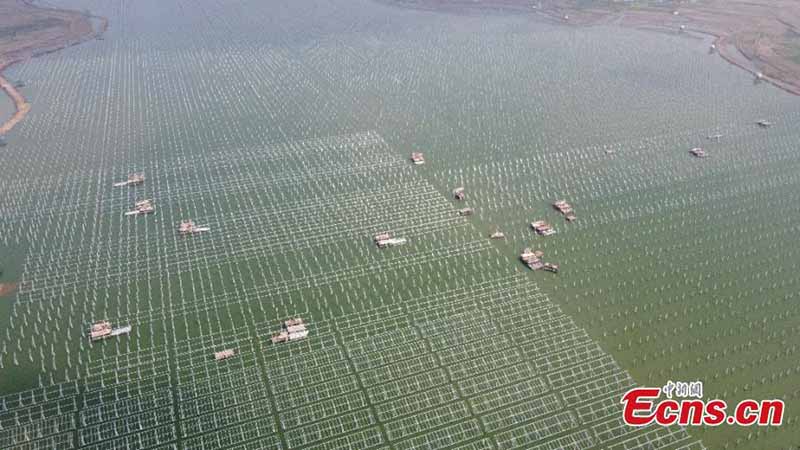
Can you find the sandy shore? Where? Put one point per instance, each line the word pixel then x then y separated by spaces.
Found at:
pixel 7 289
pixel 46 30
pixel 22 107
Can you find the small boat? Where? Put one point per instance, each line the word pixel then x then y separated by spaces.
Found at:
pixel 293 322
pixel 459 193
pixel 532 259
pixel 224 354
pixel 764 123
pixel 188 227
pixel 562 206
pixel 103 329
pixel 549 267
pixel 698 152
pixel 141 207
pixel 134 179
pixel 382 237
pixel 497 234
pixel 466 212
pixel 714 137
pixel 392 242
pixel 543 228
pixel 121 330
pixel 417 158
pixel 292 330
pixel 280 337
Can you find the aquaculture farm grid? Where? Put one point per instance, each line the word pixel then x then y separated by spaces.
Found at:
pixel 287 133
pixel 476 359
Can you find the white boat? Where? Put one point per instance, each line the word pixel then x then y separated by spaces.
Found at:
pixel 296 328
pixel 133 180
pixel 121 330
pixel 298 335
pixel 391 242
pixel 188 227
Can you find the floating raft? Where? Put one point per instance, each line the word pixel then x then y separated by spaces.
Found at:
pixel 142 207
pixel 103 329
pixel 543 228
pixel 224 354
pixel 292 330
pixel 188 227
pixel 566 209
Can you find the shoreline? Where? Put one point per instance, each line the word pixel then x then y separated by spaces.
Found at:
pixel 30 50
pixel 729 29
pixel 21 106
pixel 723 43
pixel 725 48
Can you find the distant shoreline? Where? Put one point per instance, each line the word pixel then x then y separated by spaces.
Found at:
pixel 746 32
pixel 74 28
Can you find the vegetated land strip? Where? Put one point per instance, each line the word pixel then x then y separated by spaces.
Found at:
pixel 755 35
pixel 27 31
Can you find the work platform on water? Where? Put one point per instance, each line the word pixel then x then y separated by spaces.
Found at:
pixel 102 330
pixel 224 354
pixel 141 207
pixel 418 158
pixel 291 330
pixel 533 259
pixel 134 179
pixel 566 209
pixel 543 228
pixel 189 227
pixel 384 240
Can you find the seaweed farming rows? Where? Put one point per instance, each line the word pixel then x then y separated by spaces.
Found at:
pixel 680 268
pixel 398 360
pixel 422 379
pixel 251 121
